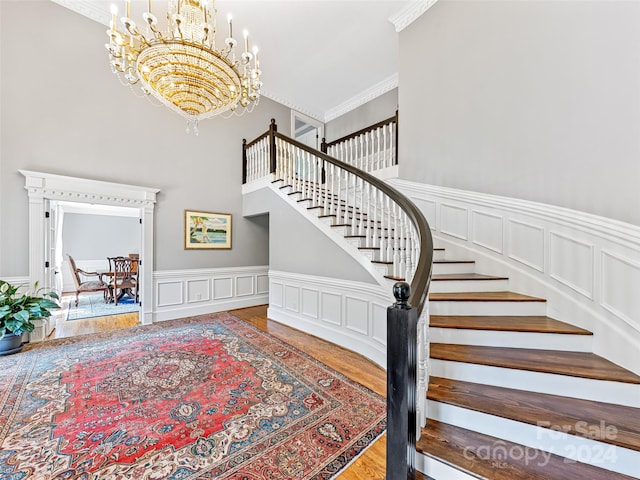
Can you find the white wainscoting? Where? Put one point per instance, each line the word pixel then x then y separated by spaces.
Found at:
pixel 587 267
pixel 350 314
pixel 184 293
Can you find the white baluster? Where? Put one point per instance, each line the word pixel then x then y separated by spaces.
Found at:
pixel 396 240
pixel 374 219
pixel 402 244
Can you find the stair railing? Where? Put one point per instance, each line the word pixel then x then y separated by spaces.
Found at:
pixel 372 148
pixel 389 224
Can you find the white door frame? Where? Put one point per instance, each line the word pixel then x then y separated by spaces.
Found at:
pixel 44 187
pixel 317 124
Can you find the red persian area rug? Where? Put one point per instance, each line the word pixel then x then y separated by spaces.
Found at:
pixel 200 398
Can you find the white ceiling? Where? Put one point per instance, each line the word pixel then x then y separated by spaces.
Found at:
pixel 319 57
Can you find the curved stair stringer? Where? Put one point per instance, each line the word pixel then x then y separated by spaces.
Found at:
pixel 312 215
pixel 257 199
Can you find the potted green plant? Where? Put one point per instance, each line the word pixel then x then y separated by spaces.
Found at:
pixel 18 311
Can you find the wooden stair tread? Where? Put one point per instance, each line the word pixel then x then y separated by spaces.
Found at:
pixel 472 452
pixel 454 261
pixel 584 418
pixel 573 364
pixel 538 324
pixel 483 297
pixel 444 277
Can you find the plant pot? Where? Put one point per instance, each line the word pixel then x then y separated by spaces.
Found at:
pixel 10 343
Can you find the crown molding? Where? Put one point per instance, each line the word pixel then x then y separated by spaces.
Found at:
pixel 410 13
pixel 363 97
pixel 310 113
pixel 92 10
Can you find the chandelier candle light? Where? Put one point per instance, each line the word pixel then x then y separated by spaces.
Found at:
pixel 181 67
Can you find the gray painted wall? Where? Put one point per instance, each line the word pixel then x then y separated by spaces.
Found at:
pixel 376 110
pixel 66 113
pixel 531 100
pixel 296 246
pixel 96 237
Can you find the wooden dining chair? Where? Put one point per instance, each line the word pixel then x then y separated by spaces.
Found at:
pixel 87 282
pixel 123 273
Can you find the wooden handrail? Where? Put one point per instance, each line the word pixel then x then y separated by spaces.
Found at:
pixel 375 126
pixel 422 276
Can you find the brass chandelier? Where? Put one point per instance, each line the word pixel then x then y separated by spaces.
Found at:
pixel 181 67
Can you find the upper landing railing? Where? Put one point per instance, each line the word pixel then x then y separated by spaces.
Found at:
pixel 372 148
pixel 391 225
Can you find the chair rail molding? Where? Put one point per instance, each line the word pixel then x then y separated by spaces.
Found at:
pixel 586 266
pixel 42 188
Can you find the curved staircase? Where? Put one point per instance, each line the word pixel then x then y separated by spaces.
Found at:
pixel 512 393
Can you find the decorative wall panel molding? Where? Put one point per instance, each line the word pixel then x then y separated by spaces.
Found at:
pixel 183 293
pixel 169 293
pixel 357 315
pixel 587 267
pixel 310 302
pixel 571 262
pixel 198 290
pixel 245 285
pixel 620 282
pixel 331 308
pixel 454 221
pixel 222 288
pixel 429 210
pixel 487 230
pixel 350 314
pixel 526 244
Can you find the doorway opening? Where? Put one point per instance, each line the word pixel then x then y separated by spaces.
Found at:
pixel 90 234
pixel 46 190
pixel 306 129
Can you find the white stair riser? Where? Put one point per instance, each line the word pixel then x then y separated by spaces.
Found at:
pixel 370 254
pixel 439 470
pixel 438 255
pixel 487 308
pixel 589 389
pixel 327 220
pixel 541 341
pixel 536 443
pixel 448 286
pixel 453 267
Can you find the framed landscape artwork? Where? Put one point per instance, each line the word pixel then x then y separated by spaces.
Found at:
pixel 203 230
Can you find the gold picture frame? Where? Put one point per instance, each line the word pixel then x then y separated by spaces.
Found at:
pixel 206 230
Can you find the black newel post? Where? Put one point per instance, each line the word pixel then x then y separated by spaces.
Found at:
pixel 323 149
pixel 402 330
pixel 244 161
pixel 397 136
pixel 273 128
